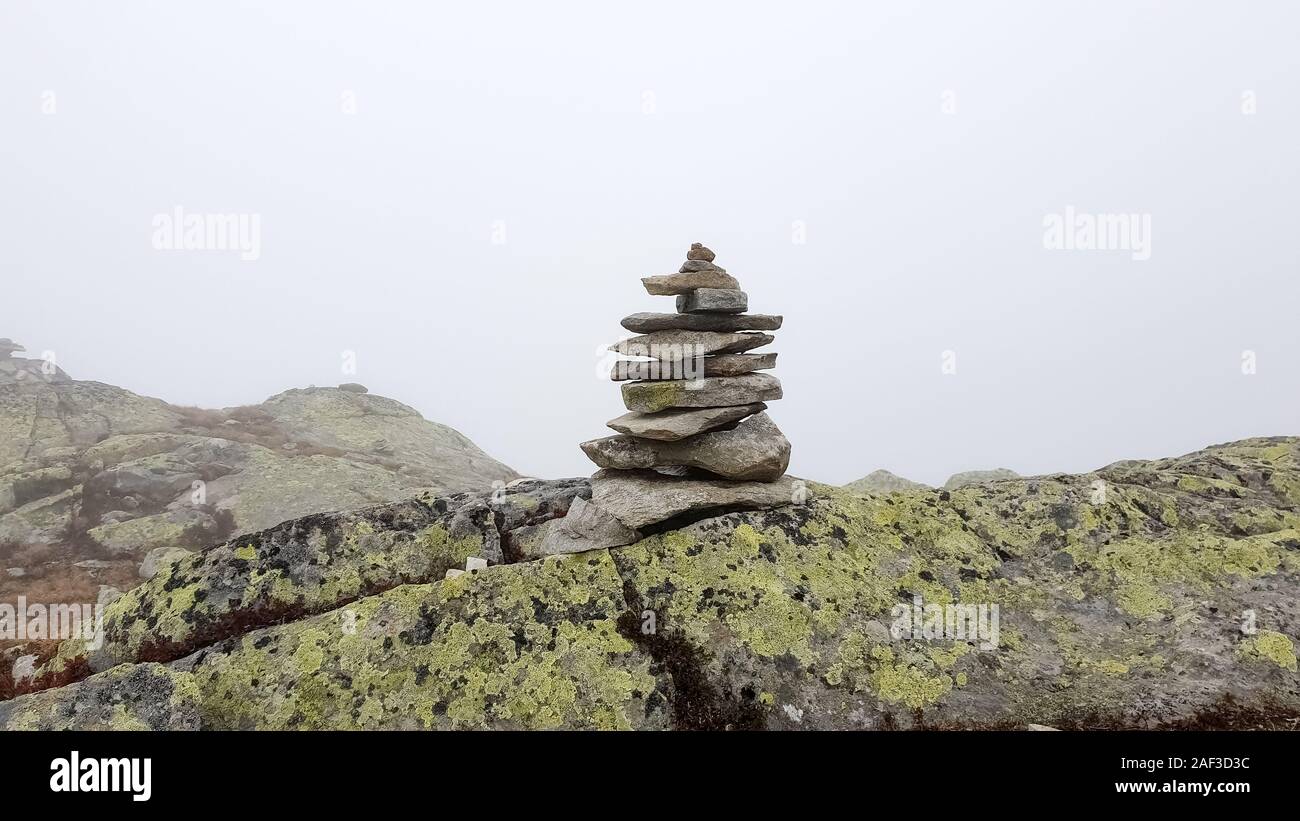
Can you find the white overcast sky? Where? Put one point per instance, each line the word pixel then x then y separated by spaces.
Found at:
pixel 606 137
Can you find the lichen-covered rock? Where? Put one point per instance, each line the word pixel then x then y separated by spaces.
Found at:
pixel 1142 595
pixel 130 697
pixel 707 392
pixel 535 646
pixel 302 567
pixel 1119 606
pixel 93 472
pixel 161 557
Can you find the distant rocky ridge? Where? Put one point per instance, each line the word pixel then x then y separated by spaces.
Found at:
pixel 882 481
pixel 98 484
pixel 1119 608
pixel 974 477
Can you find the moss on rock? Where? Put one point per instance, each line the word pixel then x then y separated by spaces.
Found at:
pixel 1119 598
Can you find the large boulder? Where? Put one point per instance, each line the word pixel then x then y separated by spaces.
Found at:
pixel 1142 595
pixel 90 472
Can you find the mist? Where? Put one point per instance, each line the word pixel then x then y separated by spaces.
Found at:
pixel 454 205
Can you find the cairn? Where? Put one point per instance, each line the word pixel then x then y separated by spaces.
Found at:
pixel 696 438
pixel 17 370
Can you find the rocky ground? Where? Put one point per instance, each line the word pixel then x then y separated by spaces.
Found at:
pixel 1145 594
pixel 99 486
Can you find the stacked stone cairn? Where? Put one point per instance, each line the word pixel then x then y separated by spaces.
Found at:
pixel 696 440
pixel 15 370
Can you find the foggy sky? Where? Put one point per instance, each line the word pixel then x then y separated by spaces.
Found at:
pixel 917 148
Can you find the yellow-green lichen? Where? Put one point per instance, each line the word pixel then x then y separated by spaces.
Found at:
pixel 902 683
pixel 1271 645
pixel 651 397
pixel 466 653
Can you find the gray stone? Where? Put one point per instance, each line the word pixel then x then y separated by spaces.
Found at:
pixel 672 425
pixel 24 668
pixel 699 251
pixel 650 322
pixel 754 450
pixel 723 365
pixel 679 345
pixel 159 558
pixel 691 266
pixel 639 498
pixel 708 392
pixel 680 283
pixel 713 300
pixel 586 527
pixel 978 477
pixel 738 364
pixel 354 387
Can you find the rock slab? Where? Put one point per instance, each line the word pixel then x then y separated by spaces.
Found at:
pixel 708 392
pixel 686 281
pixel 650 322
pixel 586 527
pixel 713 300
pixel 672 425
pixel 754 450
pixel 640 498
pixel 720 365
pixel 677 345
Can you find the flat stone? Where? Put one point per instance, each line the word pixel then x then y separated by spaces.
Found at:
pixel 650 322
pixel 699 251
pixel 672 346
pixel 713 300
pixel 720 365
pixel 159 558
pixel 680 283
pixel 737 364
pixel 754 450
pixel 695 265
pixel 640 498
pixel 586 527
pixel 671 425
pixel 24 667
pixel 707 392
